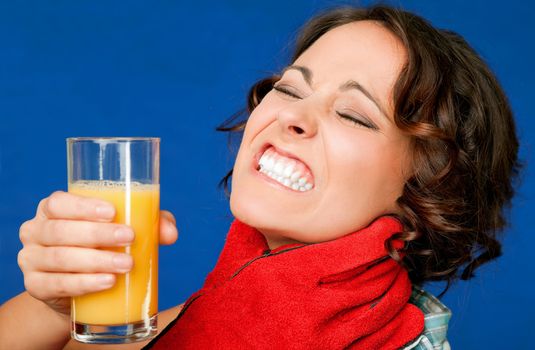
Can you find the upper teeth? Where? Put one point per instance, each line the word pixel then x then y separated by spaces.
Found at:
pixel 284 171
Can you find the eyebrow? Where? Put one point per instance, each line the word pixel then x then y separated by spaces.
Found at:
pixel 350 84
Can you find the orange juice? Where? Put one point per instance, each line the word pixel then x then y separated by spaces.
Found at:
pixel 134 297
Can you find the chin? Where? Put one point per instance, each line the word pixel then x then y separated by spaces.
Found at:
pixel 247 210
pixel 256 213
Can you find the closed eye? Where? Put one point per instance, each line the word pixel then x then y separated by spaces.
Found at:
pixel 356 121
pixel 285 91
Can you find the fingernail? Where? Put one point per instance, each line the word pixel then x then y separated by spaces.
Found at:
pixel 122 262
pixel 105 211
pixel 105 280
pixel 124 235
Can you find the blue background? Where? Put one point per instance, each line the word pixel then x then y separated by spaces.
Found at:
pixel 176 70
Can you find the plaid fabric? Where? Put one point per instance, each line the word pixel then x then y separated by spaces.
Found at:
pixel 436 318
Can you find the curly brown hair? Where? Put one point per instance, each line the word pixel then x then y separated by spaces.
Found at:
pixel 463 140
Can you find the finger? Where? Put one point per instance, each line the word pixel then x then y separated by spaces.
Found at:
pixel 168 215
pixel 74 259
pixel 168 230
pixel 45 286
pixel 64 205
pixel 84 234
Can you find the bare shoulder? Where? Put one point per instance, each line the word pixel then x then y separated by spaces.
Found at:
pixel 164 318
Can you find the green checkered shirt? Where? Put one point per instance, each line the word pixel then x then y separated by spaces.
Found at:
pixel 436 318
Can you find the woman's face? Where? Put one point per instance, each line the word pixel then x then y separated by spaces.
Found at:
pixel 328 121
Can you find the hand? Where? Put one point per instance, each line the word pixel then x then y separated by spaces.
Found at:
pixel 60 259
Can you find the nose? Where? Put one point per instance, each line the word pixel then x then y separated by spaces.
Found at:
pixel 298 120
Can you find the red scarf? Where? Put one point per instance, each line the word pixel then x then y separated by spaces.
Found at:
pixel 342 294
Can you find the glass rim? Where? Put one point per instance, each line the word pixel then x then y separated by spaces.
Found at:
pixel 112 138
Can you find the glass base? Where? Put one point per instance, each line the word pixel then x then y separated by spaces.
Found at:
pixel 118 334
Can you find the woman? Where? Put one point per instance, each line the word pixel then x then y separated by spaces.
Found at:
pixel 381 158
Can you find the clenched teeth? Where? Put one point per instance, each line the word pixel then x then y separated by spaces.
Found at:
pixel 286 171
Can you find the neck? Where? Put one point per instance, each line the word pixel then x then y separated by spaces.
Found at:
pixel 275 242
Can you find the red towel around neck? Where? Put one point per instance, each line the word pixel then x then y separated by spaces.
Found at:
pixel 342 294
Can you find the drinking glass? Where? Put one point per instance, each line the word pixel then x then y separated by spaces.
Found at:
pixel 125 172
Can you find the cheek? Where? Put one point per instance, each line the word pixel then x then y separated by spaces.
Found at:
pixel 258 120
pixel 367 163
pixel 263 115
pixel 351 151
